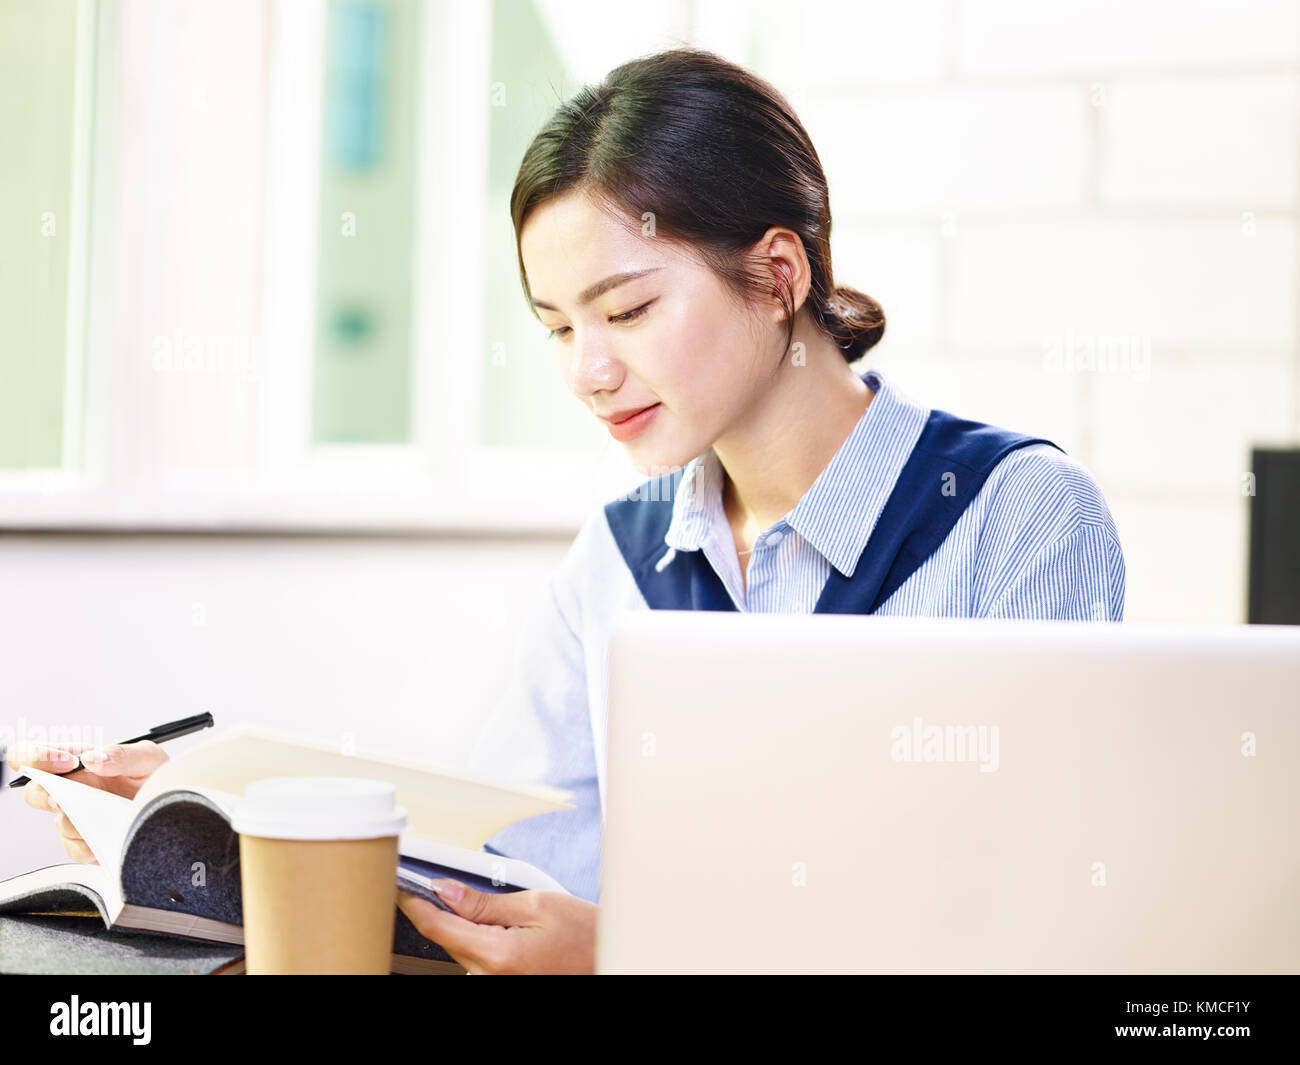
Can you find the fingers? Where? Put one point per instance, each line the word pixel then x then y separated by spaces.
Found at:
pixel 477 947
pixel 74 846
pixel 37 796
pixel 508 909
pixel 52 758
pixel 67 830
pixel 124 760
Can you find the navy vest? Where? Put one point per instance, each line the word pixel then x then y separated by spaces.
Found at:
pixel 947 467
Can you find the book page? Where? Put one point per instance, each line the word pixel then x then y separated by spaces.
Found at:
pixel 102 880
pixel 442 805
pixel 101 817
pixel 482 863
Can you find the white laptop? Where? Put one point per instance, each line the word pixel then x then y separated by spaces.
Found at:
pixel 838 793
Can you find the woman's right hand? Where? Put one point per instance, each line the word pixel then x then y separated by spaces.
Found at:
pixel 122 769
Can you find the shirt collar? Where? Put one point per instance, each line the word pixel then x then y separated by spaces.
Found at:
pixel 838 512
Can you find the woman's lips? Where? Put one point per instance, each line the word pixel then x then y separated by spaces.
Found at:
pixel 633 425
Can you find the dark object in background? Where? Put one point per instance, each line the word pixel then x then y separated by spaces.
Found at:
pixel 1275 537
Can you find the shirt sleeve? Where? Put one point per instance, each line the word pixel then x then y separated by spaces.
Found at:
pixel 1078 578
pixel 540 733
pixel 1049 549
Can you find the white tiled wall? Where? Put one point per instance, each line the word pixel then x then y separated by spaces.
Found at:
pixel 1017 180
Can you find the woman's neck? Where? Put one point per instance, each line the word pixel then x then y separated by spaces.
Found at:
pixel 772 458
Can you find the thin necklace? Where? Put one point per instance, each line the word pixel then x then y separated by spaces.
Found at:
pixel 724 507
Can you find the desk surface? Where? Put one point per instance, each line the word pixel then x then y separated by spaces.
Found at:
pixel 60 944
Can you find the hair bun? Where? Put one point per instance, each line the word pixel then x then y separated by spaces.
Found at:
pixel 854 321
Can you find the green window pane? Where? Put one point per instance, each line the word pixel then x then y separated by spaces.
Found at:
pixel 38 70
pixel 363 359
pixel 525 402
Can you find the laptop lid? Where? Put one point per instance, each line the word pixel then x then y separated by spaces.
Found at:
pixel 839 793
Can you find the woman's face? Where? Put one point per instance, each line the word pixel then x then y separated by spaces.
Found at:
pixel 671 338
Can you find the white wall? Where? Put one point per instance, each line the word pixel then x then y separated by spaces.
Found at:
pixel 1011 177
pixel 400 642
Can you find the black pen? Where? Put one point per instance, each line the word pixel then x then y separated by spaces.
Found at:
pixel 159 734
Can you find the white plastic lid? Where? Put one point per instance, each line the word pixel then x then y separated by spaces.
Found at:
pixel 319 808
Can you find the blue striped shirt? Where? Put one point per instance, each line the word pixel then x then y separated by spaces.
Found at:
pixel 1037 541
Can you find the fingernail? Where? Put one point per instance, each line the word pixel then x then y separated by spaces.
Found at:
pixel 49 801
pixel 93 757
pixel 63 758
pixel 449 890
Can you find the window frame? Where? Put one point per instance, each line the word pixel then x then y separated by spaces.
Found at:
pixel 84 431
pixel 446 479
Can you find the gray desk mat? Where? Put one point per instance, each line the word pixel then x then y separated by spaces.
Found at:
pixel 64 945
pixel 160 854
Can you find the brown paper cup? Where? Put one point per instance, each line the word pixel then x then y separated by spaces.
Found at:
pixel 319 905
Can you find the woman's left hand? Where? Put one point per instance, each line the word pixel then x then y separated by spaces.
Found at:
pixel 514 932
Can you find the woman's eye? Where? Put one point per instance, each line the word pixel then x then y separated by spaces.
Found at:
pixel 630 315
pixel 627 316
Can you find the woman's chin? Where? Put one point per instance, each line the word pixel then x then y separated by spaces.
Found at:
pixel 663 448
pixel 653 461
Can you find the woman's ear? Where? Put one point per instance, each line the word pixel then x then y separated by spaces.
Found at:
pixel 788 263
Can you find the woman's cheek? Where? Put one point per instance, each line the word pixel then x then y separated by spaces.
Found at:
pixel 685 354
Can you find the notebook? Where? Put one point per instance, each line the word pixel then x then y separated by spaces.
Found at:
pixel 169 858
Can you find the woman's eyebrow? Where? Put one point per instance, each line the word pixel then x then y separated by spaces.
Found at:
pixel 601 287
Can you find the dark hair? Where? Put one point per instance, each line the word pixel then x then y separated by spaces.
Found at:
pixel 718 156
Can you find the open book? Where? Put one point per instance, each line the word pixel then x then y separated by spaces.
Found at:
pixel 169 858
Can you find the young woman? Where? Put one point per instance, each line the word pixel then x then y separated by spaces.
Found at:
pixel 673 232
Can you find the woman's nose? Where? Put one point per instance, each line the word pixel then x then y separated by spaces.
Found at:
pixel 591 367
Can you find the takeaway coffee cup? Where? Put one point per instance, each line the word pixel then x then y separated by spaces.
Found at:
pixel 318 867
